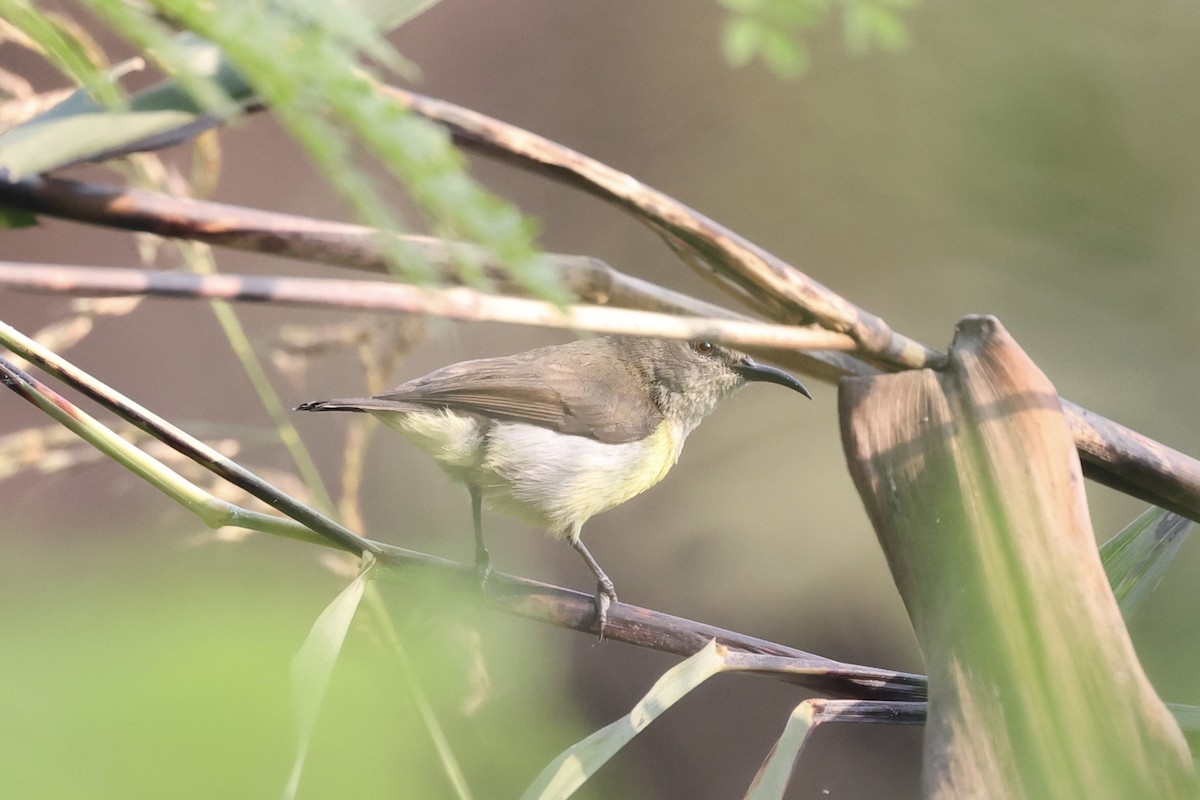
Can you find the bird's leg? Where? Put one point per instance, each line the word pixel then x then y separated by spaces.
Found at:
pixel 483 559
pixel 606 592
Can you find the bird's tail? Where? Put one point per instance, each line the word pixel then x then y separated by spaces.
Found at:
pixel 330 405
pixel 362 404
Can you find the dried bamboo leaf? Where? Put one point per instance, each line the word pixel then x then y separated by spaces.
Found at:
pixel 973 485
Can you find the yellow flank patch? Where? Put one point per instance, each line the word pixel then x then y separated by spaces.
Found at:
pixel 661 454
pixel 639 466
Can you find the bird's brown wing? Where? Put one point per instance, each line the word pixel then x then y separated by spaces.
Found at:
pixel 561 394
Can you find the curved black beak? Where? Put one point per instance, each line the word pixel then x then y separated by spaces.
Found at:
pixel 751 370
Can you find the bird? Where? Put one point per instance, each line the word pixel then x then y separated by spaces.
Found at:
pixel 559 434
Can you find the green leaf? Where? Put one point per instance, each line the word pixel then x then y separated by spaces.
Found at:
pixel 741 40
pixel 773 30
pixel 79 128
pixel 856 29
pixel 1188 717
pixel 772 779
pixel 391 14
pixel 886 29
pixel 354 29
pixel 743 7
pixel 796 15
pixel 42 145
pixel 58 46
pixel 313 664
pixel 873 23
pixel 1136 559
pixel 11 218
pixel 576 764
pixel 786 58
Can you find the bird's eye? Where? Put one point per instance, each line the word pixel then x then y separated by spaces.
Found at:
pixel 704 348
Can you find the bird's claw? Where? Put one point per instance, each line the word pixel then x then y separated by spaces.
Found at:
pixel 482 573
pixel 606 597
pixel 483 566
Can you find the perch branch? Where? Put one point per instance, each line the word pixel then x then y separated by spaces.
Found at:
pixel 1125 460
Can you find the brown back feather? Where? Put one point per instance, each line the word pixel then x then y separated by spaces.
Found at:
pixel 578 388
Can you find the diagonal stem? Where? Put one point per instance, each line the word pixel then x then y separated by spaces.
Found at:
pixel 458 303
pixel 181 441
pixel 775 287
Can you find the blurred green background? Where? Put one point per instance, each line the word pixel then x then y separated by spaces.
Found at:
pixel 1031 161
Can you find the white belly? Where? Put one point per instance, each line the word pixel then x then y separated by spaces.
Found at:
pixel 547 478
pixel 559 481
pixel 454 441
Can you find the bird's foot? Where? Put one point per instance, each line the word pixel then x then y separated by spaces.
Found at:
pixel 483 567
pixel 606 597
